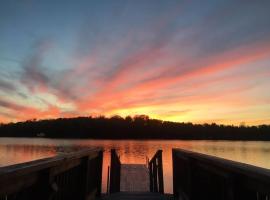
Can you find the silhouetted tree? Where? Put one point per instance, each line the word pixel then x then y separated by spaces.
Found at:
pixel 137 127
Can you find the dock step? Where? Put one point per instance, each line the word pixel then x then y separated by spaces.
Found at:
pixel 134 178
pixel 137 195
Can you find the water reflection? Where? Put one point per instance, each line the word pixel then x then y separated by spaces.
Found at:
pixel 17 153
pixel 20 150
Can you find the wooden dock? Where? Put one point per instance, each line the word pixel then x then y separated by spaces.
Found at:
pixel 200 176
pixel 136 181
pixel 78 175
pixel 137 196
pixel 134 178
pixel 69 176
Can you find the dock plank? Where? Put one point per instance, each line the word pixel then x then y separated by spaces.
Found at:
pixel 137 196
pixel 134 178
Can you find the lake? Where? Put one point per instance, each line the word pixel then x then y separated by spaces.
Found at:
pixel 18 150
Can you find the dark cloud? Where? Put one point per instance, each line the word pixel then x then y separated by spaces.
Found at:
pixel 6 86
pixel 11 106
pixel 228 25
pixel 33 76
pixel 39 78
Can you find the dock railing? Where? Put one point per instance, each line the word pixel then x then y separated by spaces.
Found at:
pixel 198 176
pixel 67 176
pixel 115 172
pixel 156 173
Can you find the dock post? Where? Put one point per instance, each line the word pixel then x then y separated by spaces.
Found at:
pixel 160 173
pixel 115 172
pixel 156 173
pixel 108 180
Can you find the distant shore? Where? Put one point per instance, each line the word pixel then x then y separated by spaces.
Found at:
pixel 140 127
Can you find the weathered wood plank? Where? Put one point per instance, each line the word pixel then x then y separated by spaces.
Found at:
pixel 134 177
pixel 115 172
pixel 16 170
pixel 155 166
pixel 61 177
pixel 137 196
pixel 197 175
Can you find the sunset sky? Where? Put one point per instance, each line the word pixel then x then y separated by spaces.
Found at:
pixel 193 61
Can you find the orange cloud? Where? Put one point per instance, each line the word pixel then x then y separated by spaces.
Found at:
pixel 20 112
pixel 112 98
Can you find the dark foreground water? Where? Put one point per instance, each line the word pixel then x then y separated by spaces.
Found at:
pixel 17 150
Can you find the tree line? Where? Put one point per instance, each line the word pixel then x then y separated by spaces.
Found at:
pixel 137 127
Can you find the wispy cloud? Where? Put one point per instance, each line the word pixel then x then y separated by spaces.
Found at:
pixel 33 76
pixel 6 86
pixel 137 57
pixel 12 106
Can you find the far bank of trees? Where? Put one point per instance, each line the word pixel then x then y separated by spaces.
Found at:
pixel 137 127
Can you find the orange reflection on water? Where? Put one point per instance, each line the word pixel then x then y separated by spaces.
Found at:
pixel 134 151
pixel 13 154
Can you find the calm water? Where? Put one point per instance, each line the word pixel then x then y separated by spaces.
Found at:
pixel 132 151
